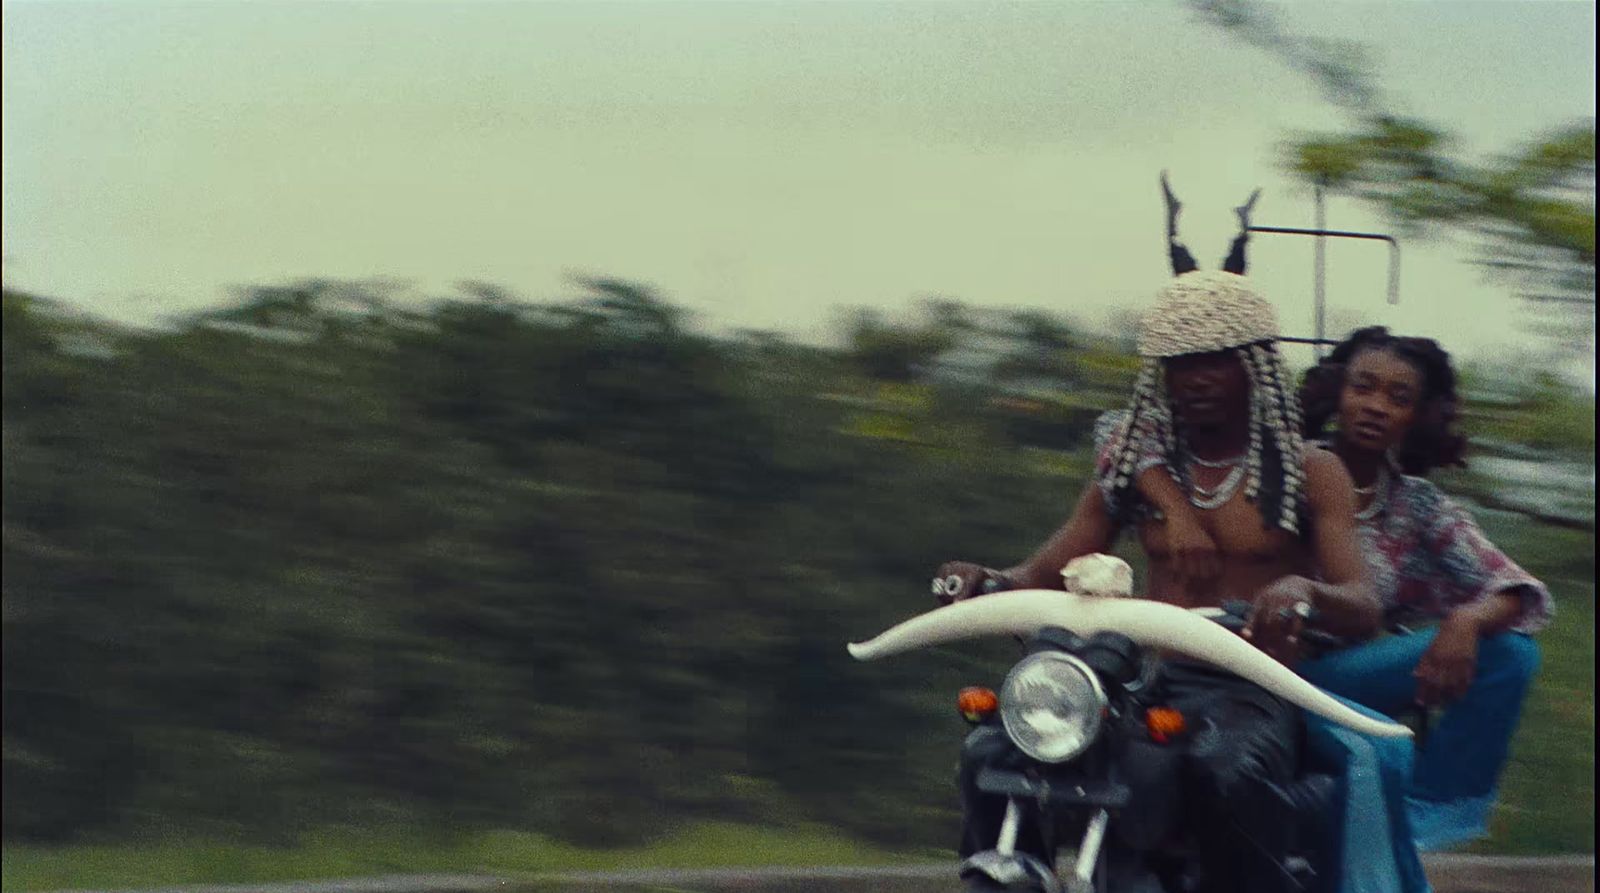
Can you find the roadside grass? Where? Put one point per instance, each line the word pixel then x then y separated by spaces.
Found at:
pixel 354 854
pixel 1547 792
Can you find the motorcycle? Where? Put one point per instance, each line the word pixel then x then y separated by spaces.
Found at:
pixel 1085 754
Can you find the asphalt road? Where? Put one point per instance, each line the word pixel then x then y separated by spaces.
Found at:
pixel 1449 874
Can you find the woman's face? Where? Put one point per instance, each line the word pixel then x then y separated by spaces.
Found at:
pixel 1379 401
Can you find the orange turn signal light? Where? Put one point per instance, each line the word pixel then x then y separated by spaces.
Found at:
pixel 1163 723
pixel 977 703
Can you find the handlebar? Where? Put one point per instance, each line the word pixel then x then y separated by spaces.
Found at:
pixel 1236 616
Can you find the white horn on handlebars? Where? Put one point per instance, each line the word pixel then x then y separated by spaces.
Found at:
pixel 1152 624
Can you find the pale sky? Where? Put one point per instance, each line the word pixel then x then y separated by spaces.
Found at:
pixel 760 163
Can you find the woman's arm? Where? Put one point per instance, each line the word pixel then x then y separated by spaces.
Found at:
pixel 1478 581
pixel 1479 591
pixel 1447 668
pixel 1497 613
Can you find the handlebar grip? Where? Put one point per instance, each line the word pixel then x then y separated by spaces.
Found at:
pixel 1317 638
pixel 1238 617
pixel 1320 638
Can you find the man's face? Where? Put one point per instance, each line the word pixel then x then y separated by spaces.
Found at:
pixel 1208 389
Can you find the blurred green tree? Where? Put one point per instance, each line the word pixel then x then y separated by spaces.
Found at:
pixel 1531 210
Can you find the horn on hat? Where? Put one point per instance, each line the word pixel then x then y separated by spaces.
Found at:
pixel 1177 253
pixel 1234 262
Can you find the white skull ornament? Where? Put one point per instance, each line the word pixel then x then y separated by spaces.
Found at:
pixel 1099 575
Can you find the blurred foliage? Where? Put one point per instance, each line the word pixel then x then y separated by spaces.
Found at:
pixel 1531 209
pixel 318 559
pixel 330 557
pixel 1535 408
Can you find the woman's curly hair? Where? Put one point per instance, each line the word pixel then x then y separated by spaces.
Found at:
pixel 1432 441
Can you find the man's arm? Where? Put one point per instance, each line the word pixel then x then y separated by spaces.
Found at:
pixel 1344 598
pixel 1089 530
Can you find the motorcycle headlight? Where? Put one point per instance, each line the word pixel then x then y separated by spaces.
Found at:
pixel 1052 706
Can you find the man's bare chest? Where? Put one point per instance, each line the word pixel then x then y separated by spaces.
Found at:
pixel 1236 529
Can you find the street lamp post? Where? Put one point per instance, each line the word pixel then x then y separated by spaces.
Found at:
pixel 1319 285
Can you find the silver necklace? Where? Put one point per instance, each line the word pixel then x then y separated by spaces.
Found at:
pixel 1208 498
pixel 1380 496
pixel 1223 463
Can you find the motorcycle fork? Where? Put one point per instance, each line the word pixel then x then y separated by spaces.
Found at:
pixel 1094 835
pixel 1088 857
pixel 1007 844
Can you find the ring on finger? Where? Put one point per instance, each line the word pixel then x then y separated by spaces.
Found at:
pixel 1301 609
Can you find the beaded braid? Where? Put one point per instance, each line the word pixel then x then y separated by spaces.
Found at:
pixel 1130 439
pixel 1147 429
pixel 1282 483
pixel 1164 432
pixel 1260 458
pixel 1258 415
pixel 1295 422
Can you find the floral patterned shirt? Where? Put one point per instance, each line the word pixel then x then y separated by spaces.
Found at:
pixel 1427 556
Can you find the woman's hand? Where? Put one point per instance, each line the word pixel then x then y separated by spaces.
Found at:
pixel 1280 613
pixel 1449 665
pixel 960 580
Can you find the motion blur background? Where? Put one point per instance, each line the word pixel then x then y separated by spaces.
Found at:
pixel 459 437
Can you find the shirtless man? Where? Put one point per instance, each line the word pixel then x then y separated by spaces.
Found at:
pixel 1213 399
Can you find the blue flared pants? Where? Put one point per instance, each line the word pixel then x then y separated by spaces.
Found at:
pixel 1453 777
